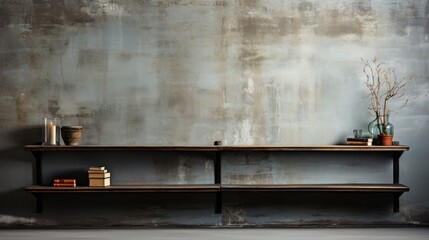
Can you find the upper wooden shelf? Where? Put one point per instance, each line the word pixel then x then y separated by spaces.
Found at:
pixel 332 148
pixel 63 148
pixel 322 148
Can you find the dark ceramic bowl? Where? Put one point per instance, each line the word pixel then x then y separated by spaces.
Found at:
pixel 71 134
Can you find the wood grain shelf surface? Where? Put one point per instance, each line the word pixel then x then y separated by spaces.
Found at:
pixel 332 148
pixel 389 188
pixel 318 187
pixel 126 188
pixel 322 148
pixel 62 148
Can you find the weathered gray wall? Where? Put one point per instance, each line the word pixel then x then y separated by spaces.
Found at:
pixel 191 72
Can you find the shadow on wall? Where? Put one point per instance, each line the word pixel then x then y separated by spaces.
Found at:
pixel 18 166
pixel 18 170
pixel 25 135
pixel 19 138
pixel 16 202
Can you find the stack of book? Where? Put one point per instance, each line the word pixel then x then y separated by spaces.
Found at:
pixel 98 177
pixel 64 182
pixel 359 141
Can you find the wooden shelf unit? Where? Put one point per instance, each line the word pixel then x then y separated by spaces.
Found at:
pixel 217 187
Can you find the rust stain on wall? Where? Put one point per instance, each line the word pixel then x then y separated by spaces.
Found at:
pixel 94 59
pixel 334 24
pixel 4 16
pixel 334 28
pixel 53 107
pixel 251 57
pixel 258 28
pixel 289 25
pixel 221 3
pixel 48 13
pixel 24 107
pixel 248 3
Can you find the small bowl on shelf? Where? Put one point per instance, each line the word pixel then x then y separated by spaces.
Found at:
pixel 71 134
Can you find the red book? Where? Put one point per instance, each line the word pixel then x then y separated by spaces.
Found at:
pixel 65 181
pixel 64 184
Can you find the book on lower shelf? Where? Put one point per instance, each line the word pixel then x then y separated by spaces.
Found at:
pixel 359 141
pixel 98 176
pixel 97 171
pixel 64 182
pixel 99 182
pixel 97 168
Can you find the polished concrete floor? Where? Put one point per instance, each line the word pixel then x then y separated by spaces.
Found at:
pixel 220 234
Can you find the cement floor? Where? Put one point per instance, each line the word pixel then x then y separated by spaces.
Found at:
pixel 223 234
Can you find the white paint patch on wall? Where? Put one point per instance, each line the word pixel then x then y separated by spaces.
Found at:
pixel 103 7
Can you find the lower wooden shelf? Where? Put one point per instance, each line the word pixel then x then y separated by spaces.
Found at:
pixel 389 188
pixel 126 188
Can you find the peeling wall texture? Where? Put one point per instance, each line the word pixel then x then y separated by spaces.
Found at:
pixel 187 72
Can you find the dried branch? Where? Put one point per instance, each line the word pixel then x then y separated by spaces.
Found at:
pixel 383 86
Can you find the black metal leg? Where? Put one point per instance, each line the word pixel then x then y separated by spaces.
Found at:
pixel 218 178
pixel 396 157
pixel 217 164
pixel 38 179
pixel 38 172
pixel 218 207
pixel 217 168
pixel 396 202
pixel 396 169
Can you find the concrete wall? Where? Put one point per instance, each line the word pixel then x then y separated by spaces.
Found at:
pixel 191 72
